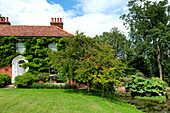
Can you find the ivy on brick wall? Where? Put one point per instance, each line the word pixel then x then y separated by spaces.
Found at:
pixel 7 50
pixel 36 50
pixel 36 53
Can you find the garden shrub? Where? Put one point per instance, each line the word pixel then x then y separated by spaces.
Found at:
pixel 25 80
pixel 2 81
pixel 145 87
pixel 5 79
pixel 158 80
pixel 51 86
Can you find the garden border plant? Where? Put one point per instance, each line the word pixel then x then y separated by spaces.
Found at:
pixel 25 80
pixel 52 86
pixel 5 79
pixel 145 87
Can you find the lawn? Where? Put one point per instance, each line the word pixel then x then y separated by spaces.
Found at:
pixel 58 101
pixel 156 98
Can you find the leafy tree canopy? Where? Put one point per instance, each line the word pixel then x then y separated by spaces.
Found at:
pixel 117 40
pixel 84 59
pixel 149 33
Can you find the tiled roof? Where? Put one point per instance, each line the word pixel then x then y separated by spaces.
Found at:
pixel 40 31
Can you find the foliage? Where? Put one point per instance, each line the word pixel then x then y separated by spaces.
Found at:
pixel 7 50
pixel 51 86
pixel 167 79
pixel 25 80
pixel 53 77
pixel 68 59
pixel 122 94
pixel 5 79
pixel 41 77
pixel 36 53
pixel 145 87
pixel 104 80
pixel 149 34
pixel 158 80
pixel 84 57
pixel 96 69
pixel 117 40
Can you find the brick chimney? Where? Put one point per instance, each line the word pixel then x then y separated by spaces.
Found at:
pixel 4 21
pixel 57 22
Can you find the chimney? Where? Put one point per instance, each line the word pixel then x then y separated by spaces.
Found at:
pixel 57 22
pixel 4 21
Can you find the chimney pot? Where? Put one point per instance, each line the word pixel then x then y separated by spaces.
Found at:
pixel 4 21
pixel 51 19
pixel 59 22
pixel 7 19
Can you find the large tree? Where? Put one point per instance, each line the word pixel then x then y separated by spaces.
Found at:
pixel 83 58
pixel 149 34
pixel 117 40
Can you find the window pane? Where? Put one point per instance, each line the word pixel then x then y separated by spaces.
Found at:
pixel 53 47
pixel 20 47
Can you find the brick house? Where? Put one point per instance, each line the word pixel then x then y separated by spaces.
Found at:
pixel 28 31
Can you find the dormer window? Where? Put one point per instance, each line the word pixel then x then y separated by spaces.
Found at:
pixel 20 47
pixel 52 46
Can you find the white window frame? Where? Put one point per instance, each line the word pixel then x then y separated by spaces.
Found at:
pixel 20 47
pixel 52 46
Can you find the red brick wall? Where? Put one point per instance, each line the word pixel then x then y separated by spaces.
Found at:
pixel 6 70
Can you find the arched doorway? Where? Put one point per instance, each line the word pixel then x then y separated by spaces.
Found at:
pixel 16 67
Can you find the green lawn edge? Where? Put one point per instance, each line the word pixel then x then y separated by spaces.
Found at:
pixel 52 100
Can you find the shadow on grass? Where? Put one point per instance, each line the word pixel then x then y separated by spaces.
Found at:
pixel 97 93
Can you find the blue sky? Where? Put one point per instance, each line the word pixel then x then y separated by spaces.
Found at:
pixel 66 4
pixel 93 17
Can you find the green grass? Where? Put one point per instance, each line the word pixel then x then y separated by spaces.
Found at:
pixel 58 101
pixel 157 98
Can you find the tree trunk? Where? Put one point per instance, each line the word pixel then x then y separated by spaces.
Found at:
pixel 88 86
pixel 159 63
pixel 103 91
pixel 151 71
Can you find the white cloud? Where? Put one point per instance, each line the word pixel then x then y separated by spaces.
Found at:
pixel 95 24
pixel 101 6
pixel 32 12
pixel 99 16
pixel 96 16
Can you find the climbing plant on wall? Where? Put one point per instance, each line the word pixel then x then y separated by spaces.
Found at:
pixel 7 50
pixel 36 54
pixel 36 50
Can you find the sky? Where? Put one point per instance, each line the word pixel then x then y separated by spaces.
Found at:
pixel 93 17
